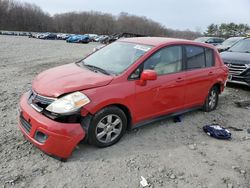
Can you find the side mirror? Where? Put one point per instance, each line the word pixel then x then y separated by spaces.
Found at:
pixel 147 75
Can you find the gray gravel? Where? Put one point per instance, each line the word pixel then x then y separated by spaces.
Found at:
pixel 167 154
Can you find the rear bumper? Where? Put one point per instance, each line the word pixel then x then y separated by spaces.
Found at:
pixel 61 138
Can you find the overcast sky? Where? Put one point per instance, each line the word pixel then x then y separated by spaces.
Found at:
pixel 176 14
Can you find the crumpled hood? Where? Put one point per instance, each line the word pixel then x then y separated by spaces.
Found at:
pixel 236 57
pixel 68 78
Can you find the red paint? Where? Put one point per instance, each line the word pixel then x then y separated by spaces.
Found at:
pixel 68 78
pixel 147 98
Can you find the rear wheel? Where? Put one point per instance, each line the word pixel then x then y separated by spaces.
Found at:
pixel 212 100
pixel 107 127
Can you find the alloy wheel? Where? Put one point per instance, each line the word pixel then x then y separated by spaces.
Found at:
pixel 212 99
pixel 108 128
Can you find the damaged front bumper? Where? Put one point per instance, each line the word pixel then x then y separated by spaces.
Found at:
pixel 54 138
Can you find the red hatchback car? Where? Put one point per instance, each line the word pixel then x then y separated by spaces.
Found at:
pixel 126 84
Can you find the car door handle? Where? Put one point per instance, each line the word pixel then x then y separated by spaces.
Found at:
pixel 211 73
pixel 179 79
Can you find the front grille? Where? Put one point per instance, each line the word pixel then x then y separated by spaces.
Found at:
pixel 25 124
pixel 36 98
pixel 43 100
pixel 236 69
pixel 40 101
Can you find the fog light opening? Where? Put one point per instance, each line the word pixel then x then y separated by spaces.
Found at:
pixel 41 137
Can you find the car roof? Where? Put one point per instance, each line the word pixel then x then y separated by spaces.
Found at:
pixel 152 41
pixel 157 41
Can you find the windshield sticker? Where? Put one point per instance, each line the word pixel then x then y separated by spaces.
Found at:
pixel 142 48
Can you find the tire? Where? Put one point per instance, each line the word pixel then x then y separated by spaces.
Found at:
pixel 107 127
pixel 211 100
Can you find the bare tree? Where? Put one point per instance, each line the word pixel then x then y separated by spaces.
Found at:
pixel 23 17
pixel 29 17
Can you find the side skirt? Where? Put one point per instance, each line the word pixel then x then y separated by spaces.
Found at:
pixel 164 117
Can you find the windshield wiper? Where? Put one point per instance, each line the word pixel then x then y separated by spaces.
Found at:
pixel 247 52
pixel 94 68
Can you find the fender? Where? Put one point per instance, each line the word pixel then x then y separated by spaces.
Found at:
pixel 117 102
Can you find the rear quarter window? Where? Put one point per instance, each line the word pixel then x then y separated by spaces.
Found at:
pixel 209 53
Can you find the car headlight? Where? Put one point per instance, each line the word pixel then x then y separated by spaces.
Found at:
pixel 69 103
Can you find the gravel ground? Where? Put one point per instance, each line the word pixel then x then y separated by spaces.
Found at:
pixel 167 154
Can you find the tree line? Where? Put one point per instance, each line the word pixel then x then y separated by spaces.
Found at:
pixel 16 16
pixel 227 30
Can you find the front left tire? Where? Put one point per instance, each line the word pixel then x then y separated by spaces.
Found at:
pixel 107 127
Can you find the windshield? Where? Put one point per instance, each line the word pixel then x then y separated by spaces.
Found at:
pixel 116 57
pixel 242 46
pixel 230 41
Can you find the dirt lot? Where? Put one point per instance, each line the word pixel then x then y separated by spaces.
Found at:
pixel 167 154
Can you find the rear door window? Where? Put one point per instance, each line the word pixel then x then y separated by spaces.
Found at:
pixel 195 57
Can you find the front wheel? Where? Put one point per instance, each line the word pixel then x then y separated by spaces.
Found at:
pixel 107 126
pixel 211 100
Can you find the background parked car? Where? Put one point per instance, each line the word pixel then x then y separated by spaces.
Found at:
pixel 117 36
pixel 210 40
pixel 23 34
pixel 100 38
pixel 104 39
pixel 92 37
pixel 237 58
pixel 37 35
pixel 8 33
pixel 228 43
pixel 32 35
pixel 78 39
pixel 63 36
pixel 48 36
